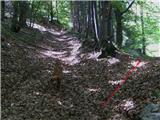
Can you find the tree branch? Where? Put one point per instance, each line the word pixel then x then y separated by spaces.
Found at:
pixel 127 8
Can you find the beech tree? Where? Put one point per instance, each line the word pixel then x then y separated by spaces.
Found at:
pixel 143 34
pixel 102 25
pixel 19 15
pixel 15 25
pixel 2 10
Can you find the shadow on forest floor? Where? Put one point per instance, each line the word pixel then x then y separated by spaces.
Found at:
pixel 27 62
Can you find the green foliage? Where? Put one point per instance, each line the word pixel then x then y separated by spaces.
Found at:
pixel 133 29
pixel 64 12
pixel 42 10
pixel 119 5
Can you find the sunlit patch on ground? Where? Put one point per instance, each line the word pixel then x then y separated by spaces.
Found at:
pixel 65 104
pixel 75 76
pixel 113 60
pixel 54 54
pixel 48 71
pixel 93 89
pixel 37 26
pixel 72 59
pixel 114 82
pixel 60 39
pixel 66 71
pixel 54 32
pixel 59 102
pixel 127 105
pixel 63 38
pixel 133 63
pixel 92 55
pixel 36 93
pixel 43 29
pixel 12 104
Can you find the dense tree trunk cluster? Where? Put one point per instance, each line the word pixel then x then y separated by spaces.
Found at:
pixel 99 22
pixel 99 19
pixel 143 34
pixel 2 10
pixel 19 15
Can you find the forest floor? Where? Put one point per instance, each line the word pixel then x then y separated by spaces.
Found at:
pixel 26 67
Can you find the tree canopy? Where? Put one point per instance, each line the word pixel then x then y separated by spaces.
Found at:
pixel 87 60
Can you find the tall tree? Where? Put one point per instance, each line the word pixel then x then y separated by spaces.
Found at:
pixel 15 25
pixel 51 11
pixel 2 10
pixel 95 23
pixel 57 10
pixel 119 17
pixel 75 15
pixel 23 6
pixel 89 21
pixel 143 34
pixel 107 30
pixel 119 28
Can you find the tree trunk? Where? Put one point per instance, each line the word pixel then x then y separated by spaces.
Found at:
pixel 31 13
pixel 15 26
pixel 104 24
pixel 88 28
pixel 51 11
pixel 57 10
pixel 119 36
pixel 2 10
pixel 106 31
pixel 143 34
pixel 78 16
pixel 95 24
pixel 75 15
pixel 72 4
pixel 119 28
pixel 23 5
pixel 84 17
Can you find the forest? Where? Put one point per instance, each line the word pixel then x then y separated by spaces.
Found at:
pixel 80 60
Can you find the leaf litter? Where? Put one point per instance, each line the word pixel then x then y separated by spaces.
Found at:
pixel 26 72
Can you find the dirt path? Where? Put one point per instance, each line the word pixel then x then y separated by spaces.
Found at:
pixel 60 45
pixel 27 67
